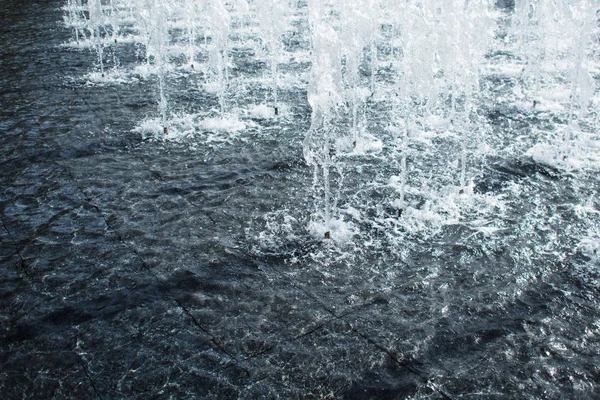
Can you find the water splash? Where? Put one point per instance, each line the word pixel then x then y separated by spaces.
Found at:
pixel 399 94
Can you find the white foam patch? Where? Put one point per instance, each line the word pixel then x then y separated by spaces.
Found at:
pixel 226 124
pixel 438 208
pixel 570 156
pixel 437 123
pixel 146 70
pixel 426 219
pixel 485 227
pixel 263 111
pixel 111 76
pixel 354 213
pixel 151 128
pixel 367 144
pixel 550 106
pixel 340 231
pixel 364 145
pixel 211 87
pixel 181 127
pixel 281 228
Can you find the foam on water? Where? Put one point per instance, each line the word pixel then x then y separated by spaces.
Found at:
pixel 182 127
pixel 263 111
pixel 111 76
pixel 228 124
pixel 340 230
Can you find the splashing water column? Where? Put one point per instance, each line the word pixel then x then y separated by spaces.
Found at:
pixel 161 59
pixel 356 27
pixel 95 22
pixel 219 21
pixel 191 11
pixel 403 165
pixel 273 20
pixel 582 84
pixel 436 50
pixel 325 95
pixel 76 19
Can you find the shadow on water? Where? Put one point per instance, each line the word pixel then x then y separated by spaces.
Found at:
pixel 497 174
pixel 104 307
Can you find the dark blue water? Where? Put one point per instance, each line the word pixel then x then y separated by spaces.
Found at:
pixel 141 269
